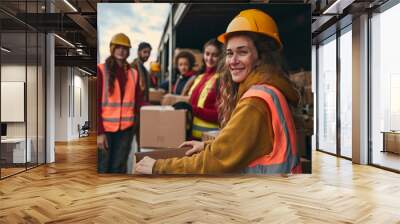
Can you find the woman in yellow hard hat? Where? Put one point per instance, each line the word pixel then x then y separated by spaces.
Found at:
pixel 116 88
pixel 258 133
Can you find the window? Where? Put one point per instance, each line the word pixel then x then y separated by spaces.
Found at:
pixel 346 93
pixel 327 96
pixel 385 85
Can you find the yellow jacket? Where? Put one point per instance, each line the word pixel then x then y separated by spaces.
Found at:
pixel 247 136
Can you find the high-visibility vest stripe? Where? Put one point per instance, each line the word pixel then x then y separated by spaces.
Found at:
pixel 203 129
pixel 200 125
pixel 108 104
pixel 119 119
pixel 284 157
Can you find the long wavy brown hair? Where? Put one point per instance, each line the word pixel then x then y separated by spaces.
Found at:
pixel 111 66
pixel 270 59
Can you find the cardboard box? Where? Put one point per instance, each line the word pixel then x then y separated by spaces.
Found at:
pixel 162 127
pixel 156 95
pixel 209 135
pixel 171 99
pixel 301 79
pixel 158 154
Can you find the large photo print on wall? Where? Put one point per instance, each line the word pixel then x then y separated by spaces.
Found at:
pixel 204 88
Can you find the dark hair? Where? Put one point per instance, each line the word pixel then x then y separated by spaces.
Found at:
pixel 213 42
pixel 144 45
pixel 185 54
pixel 111 66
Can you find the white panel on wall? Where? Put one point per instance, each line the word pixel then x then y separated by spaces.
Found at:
pixel 12 101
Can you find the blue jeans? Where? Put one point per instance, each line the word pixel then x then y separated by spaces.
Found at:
pixel 114 159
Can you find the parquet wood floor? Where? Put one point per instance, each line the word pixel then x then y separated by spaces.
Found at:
pixel 71 191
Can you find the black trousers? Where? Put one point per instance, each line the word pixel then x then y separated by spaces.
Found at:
pixel 114 159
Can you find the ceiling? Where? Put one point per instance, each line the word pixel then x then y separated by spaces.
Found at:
pixel 79 27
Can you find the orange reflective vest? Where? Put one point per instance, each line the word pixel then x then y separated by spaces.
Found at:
pixel 118 115
pixel 284 157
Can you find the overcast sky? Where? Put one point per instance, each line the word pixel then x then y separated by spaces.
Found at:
pixel 139 21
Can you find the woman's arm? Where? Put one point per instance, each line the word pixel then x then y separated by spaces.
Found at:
pixel 188 85
pixel 242 141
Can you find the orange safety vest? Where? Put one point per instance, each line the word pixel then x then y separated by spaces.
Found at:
pixel 118 115
pixel 284 157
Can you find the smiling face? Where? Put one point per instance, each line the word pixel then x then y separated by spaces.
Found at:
pixel 211 55
pixel 121 52
pixel 183 65
pixel 241 57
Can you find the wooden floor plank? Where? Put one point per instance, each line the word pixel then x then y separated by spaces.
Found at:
pixel 71 191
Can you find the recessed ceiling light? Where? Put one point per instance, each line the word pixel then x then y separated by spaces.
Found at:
pixel 5 50
pixel 70 5
pixel 64 40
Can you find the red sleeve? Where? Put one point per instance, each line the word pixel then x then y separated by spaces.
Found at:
pixel 100 127
pixel 210 111
pixel 208 114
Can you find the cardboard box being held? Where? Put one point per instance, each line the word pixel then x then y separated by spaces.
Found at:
pixel 156 95
pixel 162 127
pixel 158 154
pixel 171 99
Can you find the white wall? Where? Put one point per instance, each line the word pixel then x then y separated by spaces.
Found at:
pixel 61 103
pixel 16 73
pixel 71 87
pixel 33 127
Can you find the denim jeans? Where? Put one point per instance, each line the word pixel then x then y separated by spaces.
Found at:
pixel 114 159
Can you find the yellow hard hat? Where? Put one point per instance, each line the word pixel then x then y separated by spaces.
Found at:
pixel 121 39
pixel 253 20
pixel 155 66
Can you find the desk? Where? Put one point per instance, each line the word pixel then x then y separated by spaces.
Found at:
pixel 13 150
pixel 391 141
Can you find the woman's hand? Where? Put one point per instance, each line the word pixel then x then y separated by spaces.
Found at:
pixel 145 166
pixel 102 142
pixel 196 147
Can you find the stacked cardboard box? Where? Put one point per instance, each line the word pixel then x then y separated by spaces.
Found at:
pixel 162 127
pixel 171 99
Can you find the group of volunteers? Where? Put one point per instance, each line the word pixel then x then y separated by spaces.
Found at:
pixel 241 90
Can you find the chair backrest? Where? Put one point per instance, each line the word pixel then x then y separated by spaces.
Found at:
pixel 86 125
